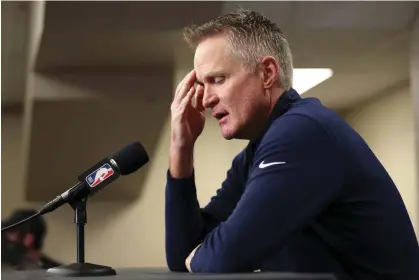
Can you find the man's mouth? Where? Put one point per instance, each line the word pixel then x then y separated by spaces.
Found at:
pixel 220 116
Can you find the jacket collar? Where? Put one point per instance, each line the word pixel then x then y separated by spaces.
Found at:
pixel 282 105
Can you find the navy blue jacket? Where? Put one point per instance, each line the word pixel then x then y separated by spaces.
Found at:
pixel 308 196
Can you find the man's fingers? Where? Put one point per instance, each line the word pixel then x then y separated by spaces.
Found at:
pixel 183 80
pixel 187 99
pixel 199 98
pixel 181 84
pixel 185 85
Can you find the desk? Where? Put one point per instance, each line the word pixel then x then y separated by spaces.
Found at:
pixel 163 274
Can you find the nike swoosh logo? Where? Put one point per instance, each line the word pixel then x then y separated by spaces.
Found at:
pixel 264 165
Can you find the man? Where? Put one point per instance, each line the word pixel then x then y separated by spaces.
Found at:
pixel 22 245
pixel 306 195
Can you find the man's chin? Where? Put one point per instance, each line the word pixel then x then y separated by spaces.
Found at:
pixel 228 137
pixel 231 133
pixel 227 134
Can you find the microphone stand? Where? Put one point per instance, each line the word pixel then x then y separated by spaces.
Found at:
pixel 80 268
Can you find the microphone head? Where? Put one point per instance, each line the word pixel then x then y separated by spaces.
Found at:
pixel 130 158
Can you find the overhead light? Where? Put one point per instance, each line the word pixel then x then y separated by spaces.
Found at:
pixel 307 78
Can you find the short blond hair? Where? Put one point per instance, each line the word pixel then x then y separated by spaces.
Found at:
pixel 251 36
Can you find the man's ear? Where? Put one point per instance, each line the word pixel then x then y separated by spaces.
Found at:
pixel 270 70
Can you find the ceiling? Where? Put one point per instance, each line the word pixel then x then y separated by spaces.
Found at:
pixel 365 43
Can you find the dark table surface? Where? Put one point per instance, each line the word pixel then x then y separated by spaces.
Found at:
pixel 164 274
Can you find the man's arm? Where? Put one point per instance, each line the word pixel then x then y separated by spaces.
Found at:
pixel 296 174
pixel 186 223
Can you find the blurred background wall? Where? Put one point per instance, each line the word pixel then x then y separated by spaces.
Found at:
pixel 80 80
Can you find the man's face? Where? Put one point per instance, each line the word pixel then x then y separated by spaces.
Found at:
pixel 236 98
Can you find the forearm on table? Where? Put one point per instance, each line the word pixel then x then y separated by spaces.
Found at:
pixel 184 224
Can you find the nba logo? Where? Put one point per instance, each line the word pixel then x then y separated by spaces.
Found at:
pixel 100 175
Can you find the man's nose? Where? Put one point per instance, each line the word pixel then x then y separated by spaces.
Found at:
pixel 209 100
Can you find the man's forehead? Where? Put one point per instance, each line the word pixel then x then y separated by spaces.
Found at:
pixel 207 70
pixel 214 64
pixel 205 60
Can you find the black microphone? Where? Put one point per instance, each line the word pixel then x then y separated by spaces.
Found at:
pixel 126 161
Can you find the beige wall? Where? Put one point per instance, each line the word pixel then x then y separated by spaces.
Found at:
pixel 12 191
pixel 386 124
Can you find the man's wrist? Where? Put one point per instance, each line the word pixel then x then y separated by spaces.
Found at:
pixel 181 162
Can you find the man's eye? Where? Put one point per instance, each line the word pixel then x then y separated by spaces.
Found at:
pixel 219 80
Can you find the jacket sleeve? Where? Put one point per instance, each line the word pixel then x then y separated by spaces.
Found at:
pixel 186 223
pixel 296 174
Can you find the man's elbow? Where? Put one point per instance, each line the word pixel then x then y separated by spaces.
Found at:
pixel 176 265
pixel 219 265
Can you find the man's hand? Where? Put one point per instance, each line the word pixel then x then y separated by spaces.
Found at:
pixel 187 120
pixel 187 123
pixel 189 259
